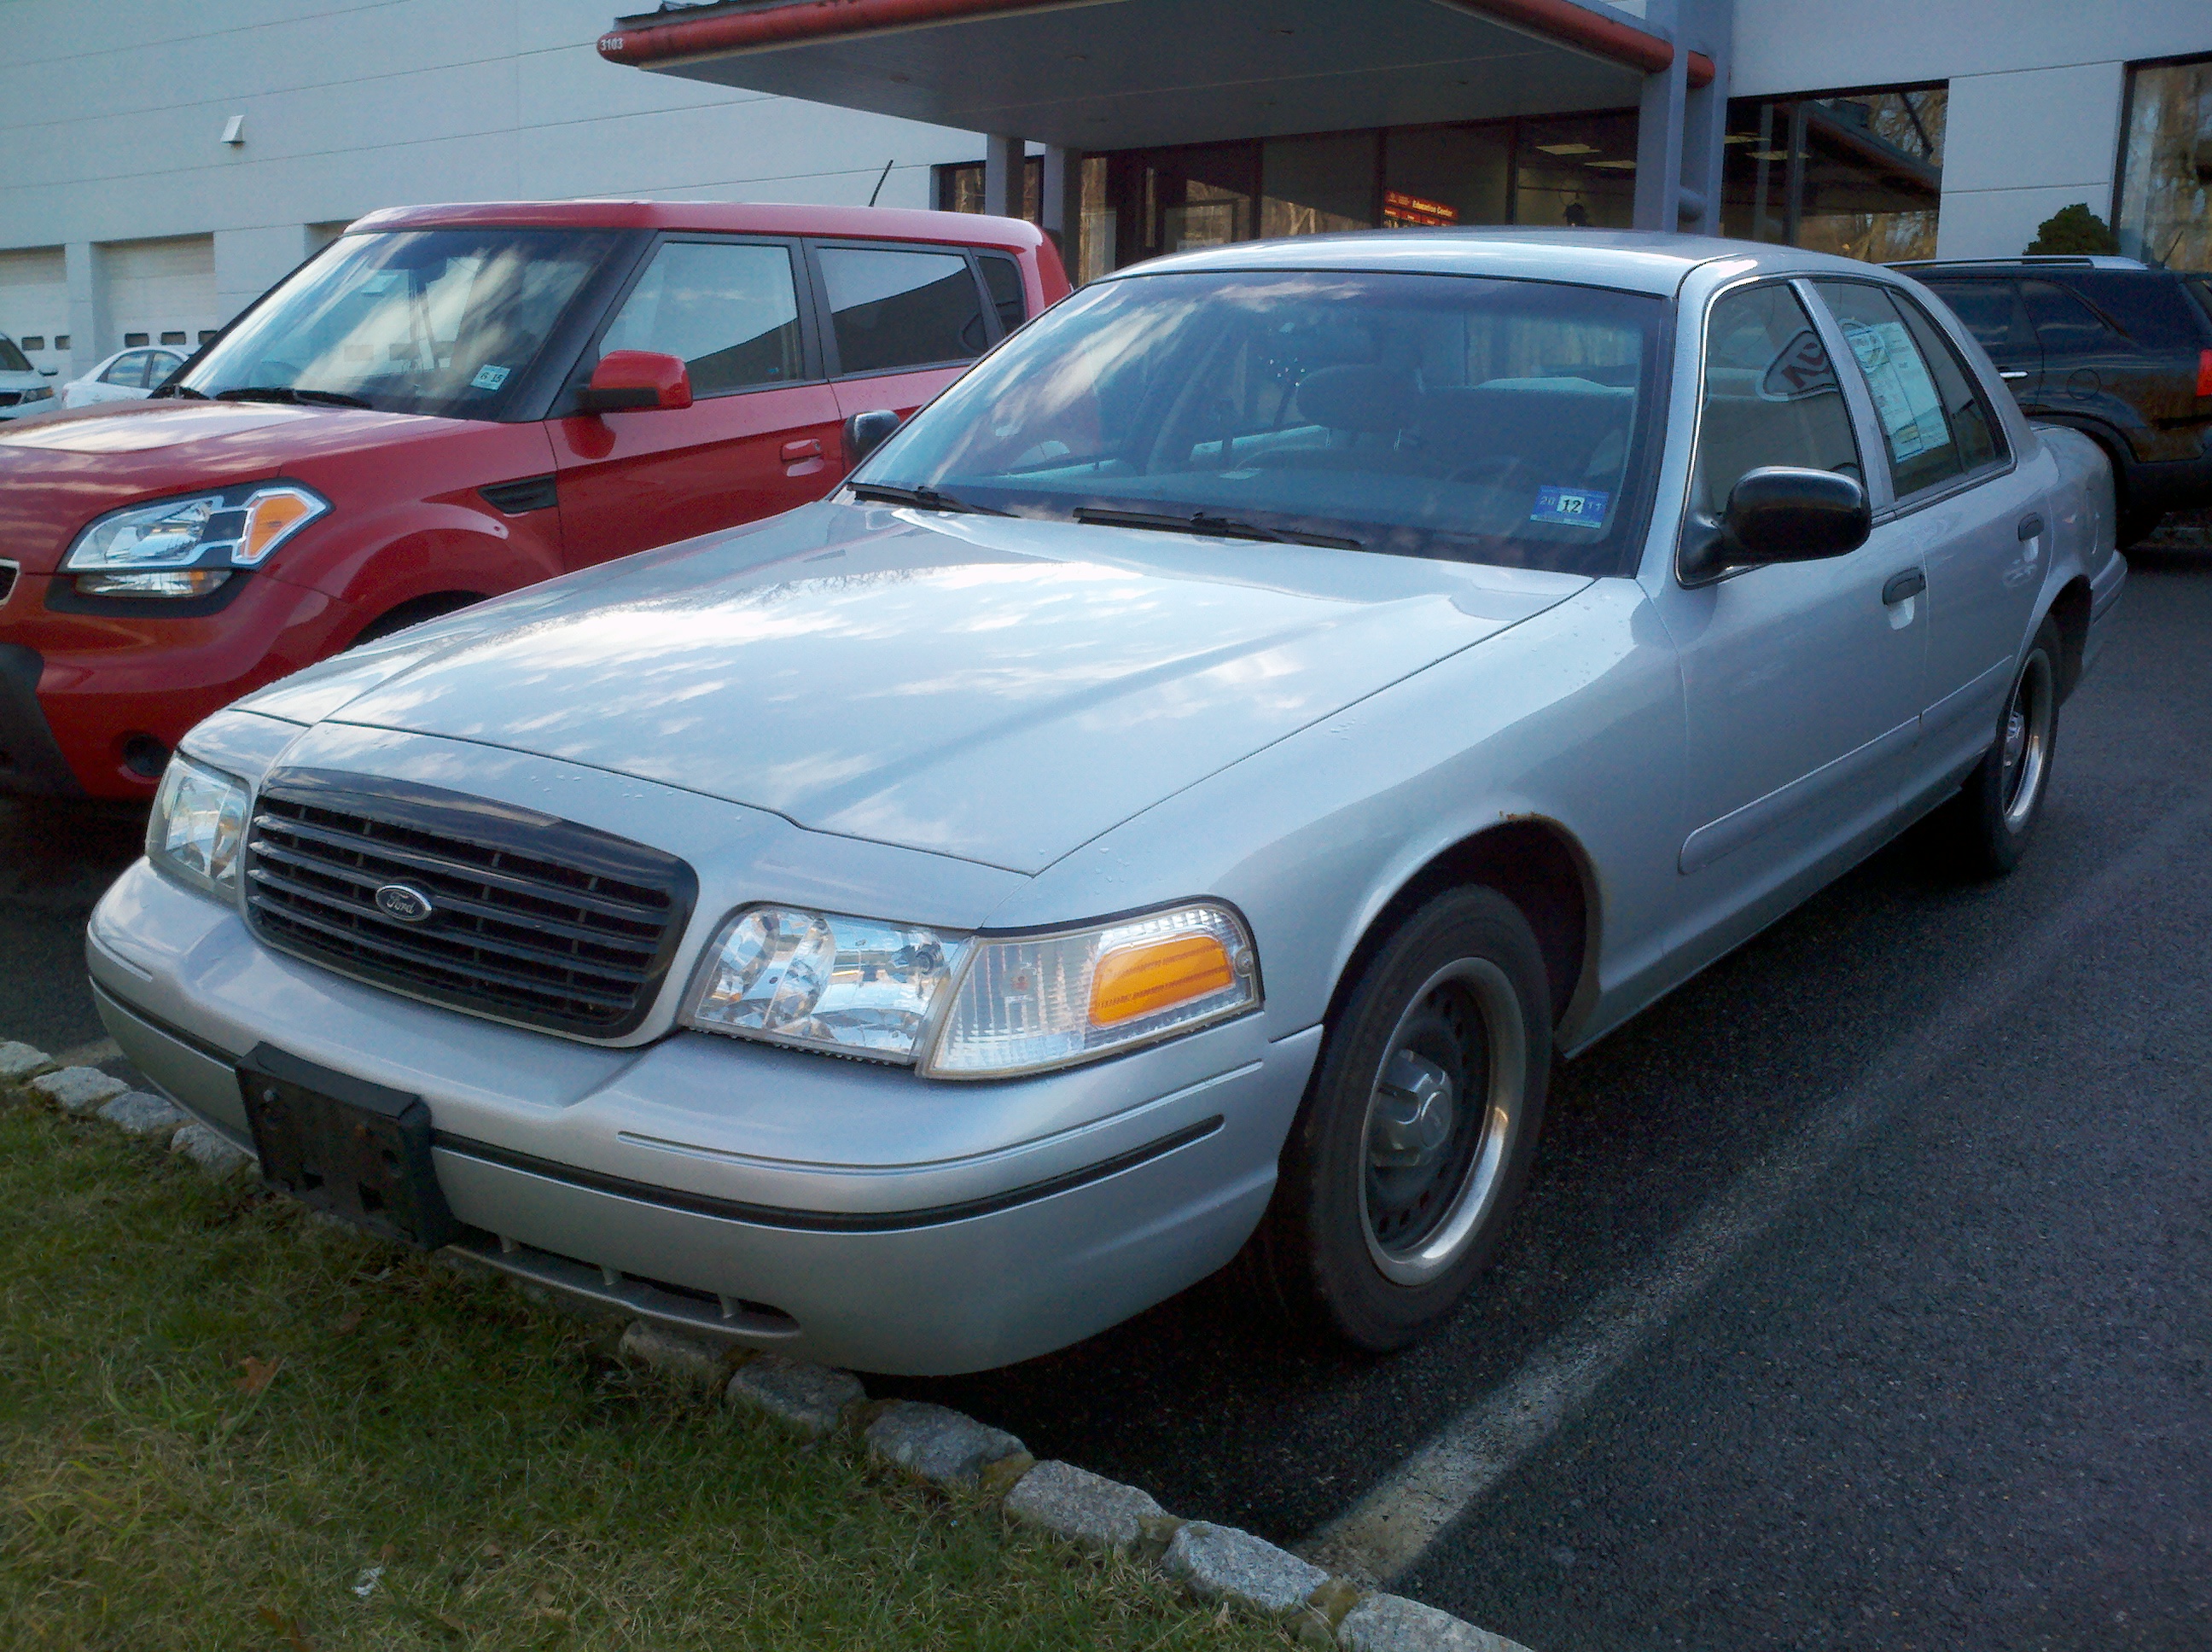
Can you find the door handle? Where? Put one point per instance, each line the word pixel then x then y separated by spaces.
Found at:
pixel 795 451
pixel 2031 527
pixel 1911 583
pixel 2014 373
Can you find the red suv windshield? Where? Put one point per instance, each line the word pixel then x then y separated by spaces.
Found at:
pixel 445 322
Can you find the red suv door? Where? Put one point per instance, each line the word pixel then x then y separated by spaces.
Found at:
pixel 762 435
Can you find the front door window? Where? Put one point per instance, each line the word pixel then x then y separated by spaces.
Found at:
pixel 728 310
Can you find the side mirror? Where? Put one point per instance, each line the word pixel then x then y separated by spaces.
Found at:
pixel 866 432
pixel 626 380
pixel 49 372
pixel 1779 514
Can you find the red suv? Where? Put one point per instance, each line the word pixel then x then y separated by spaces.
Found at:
pixel 445 404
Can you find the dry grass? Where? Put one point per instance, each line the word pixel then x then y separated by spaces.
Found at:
pixel 218 1420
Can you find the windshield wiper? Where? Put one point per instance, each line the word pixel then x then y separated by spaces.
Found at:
pixel 1211 526
pixel 928 499
pixel 178 390
pixel 287 393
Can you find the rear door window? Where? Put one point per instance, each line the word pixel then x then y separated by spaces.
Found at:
pixel 728 310
pixel 1934 421
pixel 1770 396
pixel 2065 325
pixel 1003 278
pixel 902 307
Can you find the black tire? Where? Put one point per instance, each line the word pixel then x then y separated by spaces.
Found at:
pixel 2134 526
pixel 1994 817
pixel 1392 1198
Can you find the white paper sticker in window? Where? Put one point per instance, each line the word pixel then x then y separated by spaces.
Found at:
pixel 491 377
pixel 1904 397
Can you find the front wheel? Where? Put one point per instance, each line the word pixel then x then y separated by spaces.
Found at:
pixel 1995 812
pixel 1410 1150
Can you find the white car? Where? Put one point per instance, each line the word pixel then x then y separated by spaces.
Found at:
pixel 23 388
pixel 126 376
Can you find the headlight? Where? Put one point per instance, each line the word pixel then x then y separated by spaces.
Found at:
pixel 1028 1003
pixel 197 826
pixel 38 395
pixel 852 984
pixel 187 547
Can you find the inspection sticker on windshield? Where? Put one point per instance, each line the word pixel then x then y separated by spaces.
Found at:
pixel 491 377
pixel 1578 507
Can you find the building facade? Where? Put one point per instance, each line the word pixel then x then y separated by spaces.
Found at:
pixel 167 161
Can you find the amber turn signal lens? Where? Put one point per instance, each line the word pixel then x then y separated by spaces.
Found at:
pixel 1158 976
pixel 268 520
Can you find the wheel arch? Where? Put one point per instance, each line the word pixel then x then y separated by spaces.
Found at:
pixel 431 604
pixel 1533 861
pixel 2069 612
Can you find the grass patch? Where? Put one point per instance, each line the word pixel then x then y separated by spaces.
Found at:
pixel 223 1425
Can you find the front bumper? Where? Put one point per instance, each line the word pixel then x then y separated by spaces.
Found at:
pixel 839 1210
pixel 102 681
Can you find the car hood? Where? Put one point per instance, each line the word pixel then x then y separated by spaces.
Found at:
pixel 60 470
pixel 999 690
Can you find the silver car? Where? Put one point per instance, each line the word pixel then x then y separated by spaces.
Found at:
pixel 1184 792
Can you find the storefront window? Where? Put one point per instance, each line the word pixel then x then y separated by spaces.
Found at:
pixel 1579 171
pixel 1857 174
pixel 1438 175
pixel 2165 171
pixel 1318 185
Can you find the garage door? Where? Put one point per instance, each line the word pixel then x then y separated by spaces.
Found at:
pixel 160 292
pixel 34 304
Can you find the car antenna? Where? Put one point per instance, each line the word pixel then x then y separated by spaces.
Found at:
pixel 886 173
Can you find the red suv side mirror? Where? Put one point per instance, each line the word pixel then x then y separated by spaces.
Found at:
pixel 628 379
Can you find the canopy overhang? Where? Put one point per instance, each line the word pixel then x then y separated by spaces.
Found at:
pixel 1093 74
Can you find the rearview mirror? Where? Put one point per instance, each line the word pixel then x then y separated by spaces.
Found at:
pixel 1778 513
pixel 866 432
pixel 626 380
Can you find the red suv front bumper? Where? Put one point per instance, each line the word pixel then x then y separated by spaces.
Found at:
pixel 91 701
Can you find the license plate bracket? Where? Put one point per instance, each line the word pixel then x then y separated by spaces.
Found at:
pixel 339 1144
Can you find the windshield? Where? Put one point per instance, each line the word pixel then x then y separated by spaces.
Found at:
pixel 1466 418
pixel 445 322
pixel 11 359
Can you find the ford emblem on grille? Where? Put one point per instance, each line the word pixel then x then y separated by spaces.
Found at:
pixel 410 906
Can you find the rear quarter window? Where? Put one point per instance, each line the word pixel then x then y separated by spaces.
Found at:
pixel 2153 311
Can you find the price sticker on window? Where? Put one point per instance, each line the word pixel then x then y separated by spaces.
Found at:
pixel 1576 508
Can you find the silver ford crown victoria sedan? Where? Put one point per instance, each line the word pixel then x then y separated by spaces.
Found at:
pixel 1184 793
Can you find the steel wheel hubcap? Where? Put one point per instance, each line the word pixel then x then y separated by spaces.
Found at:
pixel 1442 1112
pixel 2024 750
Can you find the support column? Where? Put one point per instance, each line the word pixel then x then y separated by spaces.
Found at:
pixel 1060 204
pixel 82 274
pixel 1659 139
pixel 1004 162
pixel 1709 27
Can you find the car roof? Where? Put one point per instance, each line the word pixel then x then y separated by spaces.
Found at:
pixel 720 217
pixel 1641 261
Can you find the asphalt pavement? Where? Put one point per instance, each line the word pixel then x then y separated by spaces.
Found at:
pixel 1953 1390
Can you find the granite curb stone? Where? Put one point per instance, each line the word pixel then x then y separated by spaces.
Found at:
pixel 693 1363
pixel 79 1091
pixel 1219 1563
pixel 1390 1622
pixel 941 1446
pixel 811 1398
pixel 141 1113
pixel 215 1154
pixel 1081 1507
pixel 19 1061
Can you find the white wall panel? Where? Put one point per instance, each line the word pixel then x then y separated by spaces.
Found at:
pixel 34 301
pixel 159 286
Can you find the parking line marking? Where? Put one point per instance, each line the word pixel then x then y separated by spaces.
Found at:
pixel 1380 1536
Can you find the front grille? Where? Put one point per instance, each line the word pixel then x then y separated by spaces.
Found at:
pixel 9 398
pixel 532 918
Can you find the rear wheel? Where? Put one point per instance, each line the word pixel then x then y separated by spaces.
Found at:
pixel 1995 814
pixel 1416 1132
